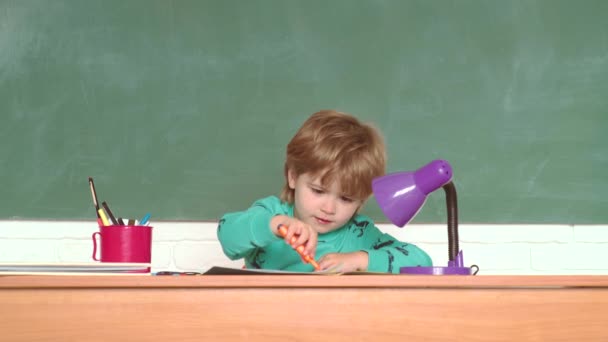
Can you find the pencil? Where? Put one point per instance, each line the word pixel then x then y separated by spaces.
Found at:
pixel 300 249
pixel 104 218
pixel 112 218
pixel 95 203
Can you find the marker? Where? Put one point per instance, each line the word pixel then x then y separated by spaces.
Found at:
pixel 104 218
pixel 94 194
pixel 300 249
pixel 144 219
pixel 112 218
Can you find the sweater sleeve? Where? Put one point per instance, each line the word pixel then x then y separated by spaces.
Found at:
pixel 241 233
pixel 387 254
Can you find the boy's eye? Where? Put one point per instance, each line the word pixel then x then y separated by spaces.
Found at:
pixel 346 199
pixel 317 190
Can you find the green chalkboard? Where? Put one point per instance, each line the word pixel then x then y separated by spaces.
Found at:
pixel 183 108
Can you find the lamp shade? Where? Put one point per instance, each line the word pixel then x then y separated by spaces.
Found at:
pixel 401 195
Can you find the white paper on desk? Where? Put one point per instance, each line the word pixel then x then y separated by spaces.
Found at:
pixel 218 270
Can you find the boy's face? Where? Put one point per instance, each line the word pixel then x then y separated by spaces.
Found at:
pixel 325 209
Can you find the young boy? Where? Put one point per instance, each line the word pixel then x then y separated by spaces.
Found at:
pixel 330 164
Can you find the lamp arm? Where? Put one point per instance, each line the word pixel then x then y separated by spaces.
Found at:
pixel 452 205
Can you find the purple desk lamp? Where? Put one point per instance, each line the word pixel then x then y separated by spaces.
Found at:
pixel 401 195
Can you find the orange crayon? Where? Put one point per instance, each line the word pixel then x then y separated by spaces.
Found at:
pixel 300 249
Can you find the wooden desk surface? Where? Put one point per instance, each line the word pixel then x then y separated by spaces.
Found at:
pixel 307 281
pixel 304 308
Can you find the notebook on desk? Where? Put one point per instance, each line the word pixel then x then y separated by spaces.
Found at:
pixel 89 268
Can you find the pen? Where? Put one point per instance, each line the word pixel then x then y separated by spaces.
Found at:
pixel 112 218
pixel 144 219
pixel 300 249
pixel 121 222
pixel 104 218
pixel 131 222
pixel 94 194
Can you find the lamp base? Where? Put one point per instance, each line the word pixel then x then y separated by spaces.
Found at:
pixel 454 267
pixel 439 270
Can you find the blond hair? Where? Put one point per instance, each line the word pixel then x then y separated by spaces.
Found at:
pixel 338 147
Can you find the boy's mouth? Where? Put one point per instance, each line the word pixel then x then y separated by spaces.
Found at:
pixel 322 221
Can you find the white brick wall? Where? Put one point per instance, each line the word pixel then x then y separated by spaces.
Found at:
pixel 193 246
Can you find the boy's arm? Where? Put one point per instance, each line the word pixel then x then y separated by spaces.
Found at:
pixel 387 254
pixel 242 232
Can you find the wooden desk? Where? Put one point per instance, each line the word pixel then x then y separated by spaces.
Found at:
pixel 304 308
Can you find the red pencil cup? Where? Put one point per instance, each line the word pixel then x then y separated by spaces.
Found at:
pixel 124 244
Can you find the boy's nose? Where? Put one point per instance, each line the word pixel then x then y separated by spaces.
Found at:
pixel 329 206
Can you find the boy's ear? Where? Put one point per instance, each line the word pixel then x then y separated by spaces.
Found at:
pixel 291 178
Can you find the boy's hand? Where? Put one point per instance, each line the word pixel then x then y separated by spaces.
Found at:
pixel 346 262
pixel 304 233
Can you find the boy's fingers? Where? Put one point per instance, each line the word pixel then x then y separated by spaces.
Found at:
pixel 301 240
pixel 291 232
pixel 300 236
pixel 284 231
pixel 324 265
pixel 288 236
pixel 311 245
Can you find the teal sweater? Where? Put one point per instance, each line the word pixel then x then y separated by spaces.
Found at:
pixel 246 234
